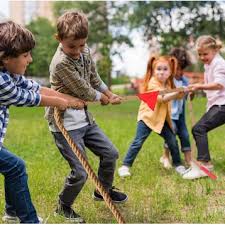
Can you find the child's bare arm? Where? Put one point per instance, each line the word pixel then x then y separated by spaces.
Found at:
pixel 210 86
pixel 61 103
pixel 170 96
pixel 72 101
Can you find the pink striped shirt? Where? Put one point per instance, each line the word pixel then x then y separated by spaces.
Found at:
pixel 215 73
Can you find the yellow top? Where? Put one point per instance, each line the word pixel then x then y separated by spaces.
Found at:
pixel 162 112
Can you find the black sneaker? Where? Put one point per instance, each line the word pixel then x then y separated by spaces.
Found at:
pixel 68 213
pixel 116 196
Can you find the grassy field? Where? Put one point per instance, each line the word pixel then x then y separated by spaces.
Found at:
pixel 155 195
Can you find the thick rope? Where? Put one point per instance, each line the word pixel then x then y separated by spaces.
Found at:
pixel 88 168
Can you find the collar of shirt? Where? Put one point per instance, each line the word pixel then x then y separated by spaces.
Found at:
pixel 80 60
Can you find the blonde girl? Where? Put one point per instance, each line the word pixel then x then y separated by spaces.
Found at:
pixel 214 83
pixel 158 77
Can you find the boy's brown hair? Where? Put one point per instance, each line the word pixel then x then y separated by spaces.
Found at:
pixel 14 40
pixel 72 24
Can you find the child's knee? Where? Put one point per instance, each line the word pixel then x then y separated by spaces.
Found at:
pixel 21 165
pixel 197 129
pixel 137 143
pixel 19 168
pixel 79 175
pixel 110 155
pixel 113 154
pixel 172 142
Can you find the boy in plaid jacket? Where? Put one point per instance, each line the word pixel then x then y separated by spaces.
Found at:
pixel 72 71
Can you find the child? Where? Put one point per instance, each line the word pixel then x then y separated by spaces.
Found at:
pixel 214 83
pixel 178 109
pixel 15 55
pixel 158 77
pixel 72 71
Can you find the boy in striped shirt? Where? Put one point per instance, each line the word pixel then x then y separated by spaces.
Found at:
pixel 15 55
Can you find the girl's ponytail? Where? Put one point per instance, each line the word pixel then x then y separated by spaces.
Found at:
pixel 173 66
pixel 149 72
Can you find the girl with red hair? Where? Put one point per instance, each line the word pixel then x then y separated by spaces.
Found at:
pixel 158 77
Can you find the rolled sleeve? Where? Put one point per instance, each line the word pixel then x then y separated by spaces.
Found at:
pixel 98 96
pixel 103 87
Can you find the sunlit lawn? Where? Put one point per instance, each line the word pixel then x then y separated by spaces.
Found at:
pixel 155 195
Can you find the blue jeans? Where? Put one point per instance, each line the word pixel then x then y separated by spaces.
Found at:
pixel 181 130
pixel 143 131
pixel 17 195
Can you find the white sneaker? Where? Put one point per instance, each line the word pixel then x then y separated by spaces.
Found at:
pixel 180 169
pixel 166 162
pixel 40 219
pixel 14 219
pixel 123 171
pixel 194 172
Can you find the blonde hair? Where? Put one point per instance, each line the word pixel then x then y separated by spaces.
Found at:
pixel 14 40
pixel 207 41
pixel 172 61
pixel 72 24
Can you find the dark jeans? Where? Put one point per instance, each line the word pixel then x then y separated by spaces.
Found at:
pixel 215 117
pixel 180 129
pixel 17 195
pixel 93 138
pixel 143 131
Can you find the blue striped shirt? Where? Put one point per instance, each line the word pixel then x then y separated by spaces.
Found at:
pixel 15 90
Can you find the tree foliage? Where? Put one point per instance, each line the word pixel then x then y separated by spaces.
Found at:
pixel 44 49
pixel 172 22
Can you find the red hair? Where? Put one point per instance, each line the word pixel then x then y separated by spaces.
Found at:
pixel 172 61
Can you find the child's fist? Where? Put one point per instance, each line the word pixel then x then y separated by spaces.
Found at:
pixel 115 99
pixel 76 104
pixel 63 104
pixel 181 95
pixel 104 99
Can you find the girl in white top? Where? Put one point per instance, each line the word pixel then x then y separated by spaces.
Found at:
pixel 214 87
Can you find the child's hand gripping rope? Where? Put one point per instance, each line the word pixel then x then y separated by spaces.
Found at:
pixel 151 97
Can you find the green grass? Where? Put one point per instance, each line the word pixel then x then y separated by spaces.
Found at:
pixel 155 195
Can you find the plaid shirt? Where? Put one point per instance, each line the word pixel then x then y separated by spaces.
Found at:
pixel 15 90
pixel 75 77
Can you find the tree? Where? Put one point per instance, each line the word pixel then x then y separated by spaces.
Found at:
pixel 172 22
pixel 45 47
pixel 103 32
